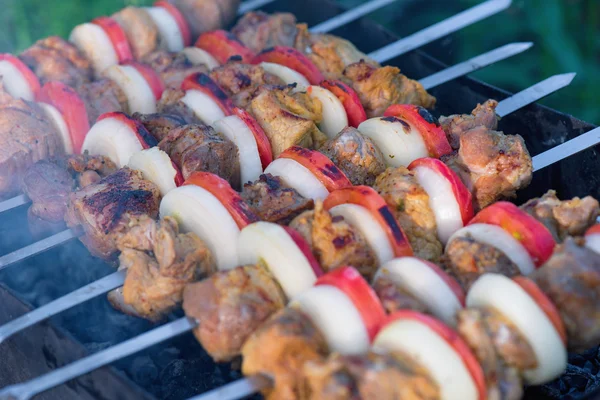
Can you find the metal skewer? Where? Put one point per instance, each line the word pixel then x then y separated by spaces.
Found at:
pixel 250 5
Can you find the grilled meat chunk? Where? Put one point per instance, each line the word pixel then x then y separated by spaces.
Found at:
pixel 230 306
pixel 334 242
pixel 370 376
pixel 26 136
pixel 279 349
pixel 492 165
pixel 571 279
pixel 170 103
pixel 102 96
pixel 455 125
pixel 394 298
pixel 173 68
pixel 159 125
pixel 88 169
pixel 380 87
pixel 410 204
pixel 563 218
pixel 199 148
pixel 356 155
pixel 141 31
pixel 55 59
pixel 104 209
pixel 207 15
pixel 467 259
pixel 258 30
pixel 288 118
pixel 240 81
pixel 273 201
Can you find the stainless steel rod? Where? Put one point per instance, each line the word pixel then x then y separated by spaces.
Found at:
pixel 250 5
pixel 349 16
pixel 567 149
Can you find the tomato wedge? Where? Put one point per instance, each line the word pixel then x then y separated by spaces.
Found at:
pixel 593 230
pixel 231 200
pixel 305 248
pixel 205 84
pixel 117 37
pixel 368 198
pixel 322 167
pixel 291 58
pixel 145 138
pixel 30 77
pixel 223 45
pixel 184 28
pixel 350 100
pixel 262 141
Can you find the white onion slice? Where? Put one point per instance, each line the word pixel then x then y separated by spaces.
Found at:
pixel 96 45
pixel 507 297
pixel 113 139
pixel 430 350
pixel 287 75
pixel 374 234
pixel 198 211
pixel 399 142
pixel 203 106
pixel 156 166
pixel 270 244
pixel 167 27
pixel 139 93
pixel 61 126
pixel 424 284
pixel 336 317
pixel 238 132
pixel 298 177
pixel 593 242
pixel 334 114
pixel 200 57
pixel 14 82
pixel 442 201
pixel 497 237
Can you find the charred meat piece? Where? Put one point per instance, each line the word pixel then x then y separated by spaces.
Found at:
pixel 170 103
pixel 571 279
pixel 483 115
pixel 102 96
pixel 259 31
pixel 370 376
pixel 55 59
pixel 159 125
pixel 492 165
pixel 564 218
pixel 380 87
pixel 173 68
pixel 279 349
pixel 410 204
pixel 334 242
pixel 207 15
pixel 141 31
pixel 26 136
pixel 273 201
pixel 88 169
pixel 288 118
pixel 467 259
pixel 199 148
pixel 104 209
pixel 240 81
pixel 395 298
pixel 230 306
pixel 356 155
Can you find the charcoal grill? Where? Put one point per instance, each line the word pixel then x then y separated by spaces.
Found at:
pixel 179 368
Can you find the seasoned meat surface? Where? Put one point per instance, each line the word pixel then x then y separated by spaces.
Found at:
pixel 173 68
pixel 258 30
pixel 88 169
pixel 170 103
pixel 279 349
pixel 141 31
pixel 563 218
pixel 395 298
pixel 571 279
pixel 55 59
pixel 410 204
pixel 380 87
pixel 288 118
pixel 159 125
pixel 105 209
pixel 207 15
pixel 483 115
pixel 273 201
pixel 370 376
pixel 356 155
pixel 199 148
pixel 102 96
pixel 230 306
pixel 335 242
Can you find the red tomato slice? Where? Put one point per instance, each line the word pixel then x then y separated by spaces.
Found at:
pixel 223 45
pixel 461 193
pixel 150 76
pixel 593 230
pixel 179 181
pixel 364 298
pixel 117 37
pixel 291 58
pixel 262 141
pixel 531 233
pixel 368 198
pixel 71 107
pixel 204 83
pixel 534 291
pixel 145 138
pixel 450 281
pixel 433 136
pixel 30 77
pixel 231 200
pixel 305 248
pixel 184 28
pixel 350 100
pixel 321 167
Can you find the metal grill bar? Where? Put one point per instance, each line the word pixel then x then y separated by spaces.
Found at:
pixel 349 16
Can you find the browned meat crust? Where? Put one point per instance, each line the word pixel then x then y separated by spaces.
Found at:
pixel 394 298
pixel 170 103
pixel 273 201
pixel 88 169
pixel 207 15
pixel 141 31
pixel 356 155
pixel 55 59
pixel 100 97
pixel 258 30
pixel 279 349
pixel 173 68
pixel 159 125
pixel 483 115
pixel 380 87
pixel 230 306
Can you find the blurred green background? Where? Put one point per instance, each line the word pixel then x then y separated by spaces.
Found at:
pixel 566 35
